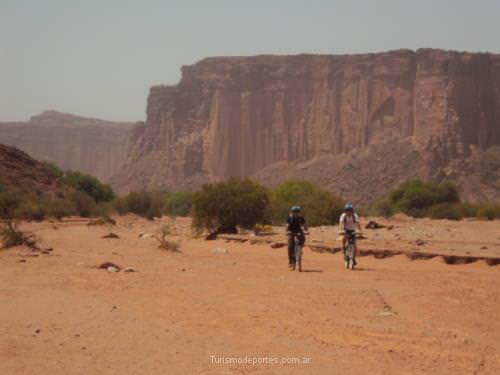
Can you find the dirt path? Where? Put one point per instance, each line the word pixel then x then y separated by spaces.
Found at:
pixel 180 313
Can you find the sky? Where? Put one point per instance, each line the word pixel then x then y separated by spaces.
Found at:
pixel 98 58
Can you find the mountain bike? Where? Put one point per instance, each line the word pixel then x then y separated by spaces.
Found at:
pixel 297 251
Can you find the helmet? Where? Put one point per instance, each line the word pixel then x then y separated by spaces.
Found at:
pixel 348 207
pixel 295 209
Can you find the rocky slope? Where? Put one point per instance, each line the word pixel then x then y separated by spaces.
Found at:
pixel 89 145
pixel 21 173
pixel 358 124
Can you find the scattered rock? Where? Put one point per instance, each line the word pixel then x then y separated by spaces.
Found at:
pixel 211 236
pixel 278 245
pixel 22 260
pixel 183 270
pixel 484 247
pixel 108 265
pixel 419 242
pixel 37 331
pixel 129 269
pixel 146 235
pixel 219 250
pixel 374 225
pixel 111 235
pixel 390 227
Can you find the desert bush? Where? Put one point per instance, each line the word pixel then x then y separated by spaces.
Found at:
pixel 450 211
pixel 8 204
pixel 10 234
pixel 221 207
pixel 30 209
pixel 90 185
pixel 143 203
pixel 59 208
pixel 178 203
pixel 488 211
pixel 84 205
pixel 320 206
pixel 164 242
pixel 263 229
pixel 415 197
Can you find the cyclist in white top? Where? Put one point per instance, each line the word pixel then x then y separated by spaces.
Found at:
pixel 348 223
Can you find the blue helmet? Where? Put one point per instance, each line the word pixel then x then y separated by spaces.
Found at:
pixel 295 209
pixel 348 207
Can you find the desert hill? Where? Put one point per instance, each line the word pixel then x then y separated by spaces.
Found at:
pixel 20 173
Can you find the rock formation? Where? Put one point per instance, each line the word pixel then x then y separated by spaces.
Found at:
pixel 358 124
pixel 89 145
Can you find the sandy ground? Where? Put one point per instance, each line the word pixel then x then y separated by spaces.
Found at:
pixel 188 312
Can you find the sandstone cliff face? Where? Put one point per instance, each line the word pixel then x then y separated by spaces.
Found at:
pixel 401 113
pixel 88 145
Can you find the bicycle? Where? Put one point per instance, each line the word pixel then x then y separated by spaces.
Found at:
pixel 297 251
pixel 349 250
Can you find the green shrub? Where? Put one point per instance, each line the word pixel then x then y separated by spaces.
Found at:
pixel 415 197
pixel 488 211
pixel 319 206
pixel 8 204
pixel 225 205
pixel 143 203
pixel 53 169
pixel 90 185
pixel 451 211
pixel 59 208
pixel 178 204
pixel 30 209
pixel 83 204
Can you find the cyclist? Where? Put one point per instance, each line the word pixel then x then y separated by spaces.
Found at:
pixel 348 223
pixel 296 226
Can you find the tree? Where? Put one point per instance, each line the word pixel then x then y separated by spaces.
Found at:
pixel 221 207
pixel 320 206
pixel 90 185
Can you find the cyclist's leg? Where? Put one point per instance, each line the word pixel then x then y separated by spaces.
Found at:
pixel 302 239
pixel 291 250
pixel 355 250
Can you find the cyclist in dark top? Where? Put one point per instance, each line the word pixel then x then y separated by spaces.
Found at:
pixel 296 226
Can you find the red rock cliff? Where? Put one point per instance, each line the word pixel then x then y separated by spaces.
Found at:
pixel 396 114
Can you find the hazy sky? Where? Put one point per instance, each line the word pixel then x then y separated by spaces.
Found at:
pixel 99 57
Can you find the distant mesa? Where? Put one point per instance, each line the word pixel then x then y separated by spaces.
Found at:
pixel 89 145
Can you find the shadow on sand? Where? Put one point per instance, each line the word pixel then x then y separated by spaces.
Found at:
pixel 363 269
pixel 312 270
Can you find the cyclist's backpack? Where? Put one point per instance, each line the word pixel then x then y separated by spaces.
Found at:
pixel 354 218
